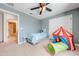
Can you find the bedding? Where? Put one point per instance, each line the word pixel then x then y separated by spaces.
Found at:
pixel 36 37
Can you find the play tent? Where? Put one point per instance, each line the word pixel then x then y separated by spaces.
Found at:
pixel 65 36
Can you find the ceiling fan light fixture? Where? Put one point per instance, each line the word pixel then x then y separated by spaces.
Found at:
pixel 44 8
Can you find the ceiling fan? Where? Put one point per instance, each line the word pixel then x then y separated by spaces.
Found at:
pixel 42 7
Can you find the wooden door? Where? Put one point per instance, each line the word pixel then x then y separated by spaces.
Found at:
pixel 12 28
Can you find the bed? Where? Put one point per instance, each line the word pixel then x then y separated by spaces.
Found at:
pixel 34 38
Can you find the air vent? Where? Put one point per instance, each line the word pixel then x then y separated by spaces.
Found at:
pixel 11 4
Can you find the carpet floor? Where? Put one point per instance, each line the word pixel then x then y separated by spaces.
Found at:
pixel 26 49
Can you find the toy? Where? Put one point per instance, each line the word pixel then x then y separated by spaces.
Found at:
pixel 61 35
pixel 65 37
pixel 58 47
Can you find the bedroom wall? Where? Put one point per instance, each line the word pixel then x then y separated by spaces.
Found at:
pixel 65 21
pixel 75 22
pixel 27 24
pixel 1 17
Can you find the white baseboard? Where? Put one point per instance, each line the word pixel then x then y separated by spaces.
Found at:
pixel 77 44
pixel 21 42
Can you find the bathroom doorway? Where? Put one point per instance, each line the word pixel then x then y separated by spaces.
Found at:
pixel 12 31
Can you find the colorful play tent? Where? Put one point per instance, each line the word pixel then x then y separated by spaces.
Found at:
pixel 63 35
pixel 62 40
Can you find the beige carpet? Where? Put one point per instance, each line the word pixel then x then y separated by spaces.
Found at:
pixel 26 49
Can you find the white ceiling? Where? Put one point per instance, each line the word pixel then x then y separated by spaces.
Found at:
pixel 56 9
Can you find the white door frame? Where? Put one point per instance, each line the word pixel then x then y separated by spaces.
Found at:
pixel 18 25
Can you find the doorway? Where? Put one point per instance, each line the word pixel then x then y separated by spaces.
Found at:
pixel 12 33
pixel 10 21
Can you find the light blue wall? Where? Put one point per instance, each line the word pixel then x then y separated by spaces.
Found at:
pixel 75 22
pixel 44 24
pixel 27 23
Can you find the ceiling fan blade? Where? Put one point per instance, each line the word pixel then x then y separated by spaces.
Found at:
pixel 49 9
pixel 47 3
pixel 35 8
pixel 40 12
